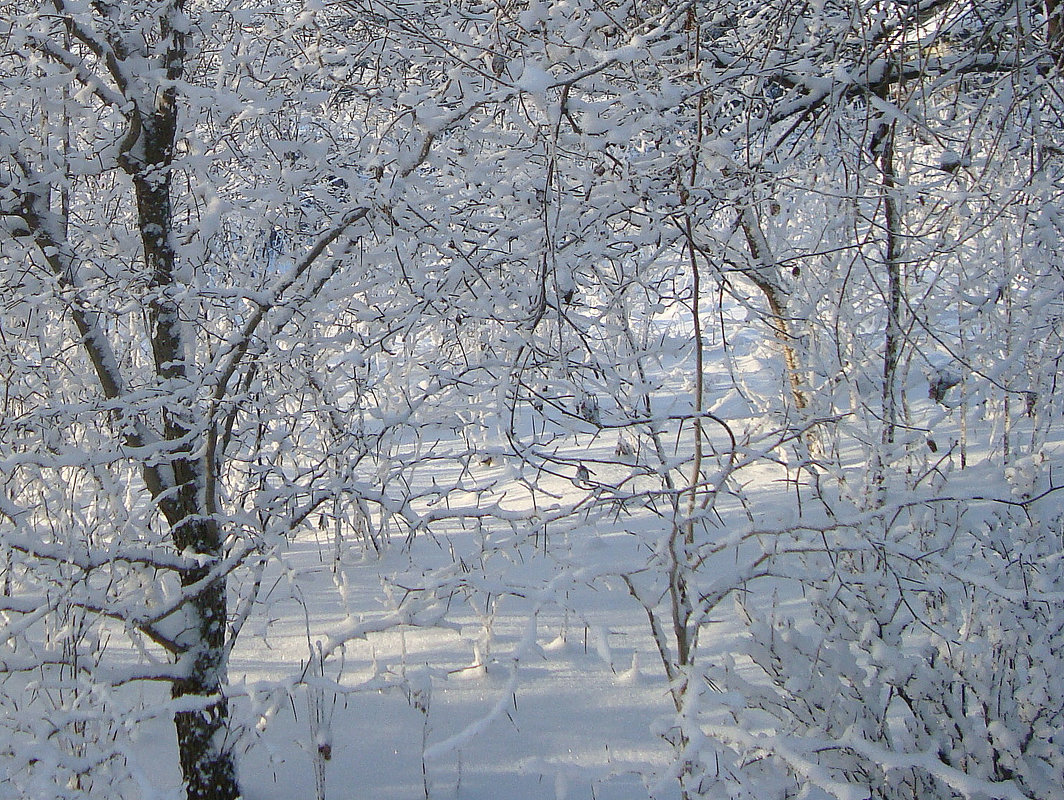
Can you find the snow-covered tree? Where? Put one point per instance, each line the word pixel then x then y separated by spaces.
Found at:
pixel 274 267
pixel 253 259
pixel 182 390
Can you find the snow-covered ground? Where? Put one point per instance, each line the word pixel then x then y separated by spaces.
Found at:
pixel 547 684
pixel 507 656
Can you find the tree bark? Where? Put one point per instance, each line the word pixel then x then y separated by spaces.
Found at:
pixel 764 275
pixel 1055 31
pixel 893 333
pixel 207 763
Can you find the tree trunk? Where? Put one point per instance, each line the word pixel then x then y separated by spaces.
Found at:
pixel 892 344
pixel 207 764
pixel 765 275
pixel 1055 31
pixel 206 761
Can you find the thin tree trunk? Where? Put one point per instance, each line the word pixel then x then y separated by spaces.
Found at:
pixel 892 344
pixel 764 275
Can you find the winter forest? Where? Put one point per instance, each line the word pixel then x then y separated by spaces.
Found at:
pixel 563 399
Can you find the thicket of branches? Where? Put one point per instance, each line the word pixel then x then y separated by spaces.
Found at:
pixel 266 269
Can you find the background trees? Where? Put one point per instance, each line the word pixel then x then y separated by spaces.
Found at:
pixel 276 270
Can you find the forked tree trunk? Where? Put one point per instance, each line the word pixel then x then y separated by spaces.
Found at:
pixel 207 763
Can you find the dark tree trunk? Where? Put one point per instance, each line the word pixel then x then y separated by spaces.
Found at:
pixel 893 334
pixel 1055 30
pixel 206 760
pixel 207 763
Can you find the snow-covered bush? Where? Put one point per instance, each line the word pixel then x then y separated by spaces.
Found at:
pixel 928 661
